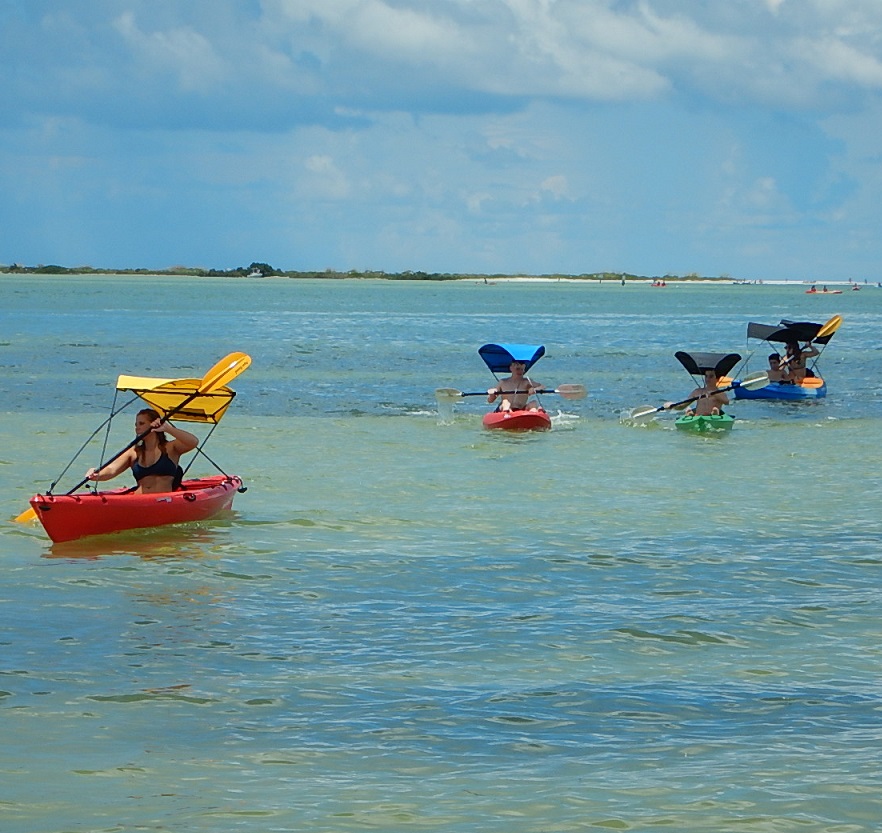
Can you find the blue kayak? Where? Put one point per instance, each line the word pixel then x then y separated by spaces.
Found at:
pixel 812 387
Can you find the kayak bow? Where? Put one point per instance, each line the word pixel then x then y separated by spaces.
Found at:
pixel 518 420
pixel 702 424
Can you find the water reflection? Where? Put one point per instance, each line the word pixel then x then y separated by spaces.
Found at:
pixel 186 541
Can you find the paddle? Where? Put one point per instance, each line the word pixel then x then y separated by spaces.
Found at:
pixel 227 369
pixel 566 391
pixel 757 380
pixel 827 330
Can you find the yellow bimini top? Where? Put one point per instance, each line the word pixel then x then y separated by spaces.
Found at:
pixel 167 395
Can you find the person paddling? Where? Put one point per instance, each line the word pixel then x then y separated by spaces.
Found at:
pixel 794 359
pixel 154 461
pixel 515 390
pixel 777 372
pixel 711 400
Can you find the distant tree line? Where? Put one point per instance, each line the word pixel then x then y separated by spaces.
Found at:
pixel 265 270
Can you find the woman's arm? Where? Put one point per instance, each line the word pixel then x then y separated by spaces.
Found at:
pixel 182 441
pixel 114 468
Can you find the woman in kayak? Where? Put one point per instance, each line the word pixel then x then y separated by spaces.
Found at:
pixel 154 461
pixel 515 390
pixel 795 357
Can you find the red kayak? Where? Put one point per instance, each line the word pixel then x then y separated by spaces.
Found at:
pixel 518 420
pixel 68 517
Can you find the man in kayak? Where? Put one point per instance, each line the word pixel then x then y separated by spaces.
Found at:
pixel 515 390
pixel 154 461
pixel 711 400
pixel 777 373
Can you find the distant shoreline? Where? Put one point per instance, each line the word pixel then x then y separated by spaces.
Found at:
pixel 262 271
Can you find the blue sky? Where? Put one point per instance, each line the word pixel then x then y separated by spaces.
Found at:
pixel 721 137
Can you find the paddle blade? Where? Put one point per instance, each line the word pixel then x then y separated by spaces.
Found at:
pixel 830 327
pixel 754 381
pixel 227 369
pixel 448 395
pixel 640 414
pixel 26 517
pixel 571 391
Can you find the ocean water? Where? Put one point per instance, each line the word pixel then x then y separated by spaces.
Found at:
pixel 409 623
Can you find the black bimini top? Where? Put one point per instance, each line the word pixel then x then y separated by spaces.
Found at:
pixel 787 332
pixel 697 363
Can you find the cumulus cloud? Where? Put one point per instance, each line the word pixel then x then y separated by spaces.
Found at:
pixel 326 180
pixel 181 50
pixel 450 124
pixel 556 185
pixel 292 62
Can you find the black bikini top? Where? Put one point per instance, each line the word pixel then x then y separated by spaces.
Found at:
pixel 163 467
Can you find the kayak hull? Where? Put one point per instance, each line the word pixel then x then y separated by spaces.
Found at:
pixel 69 517
pixel 517 420
pixel 812 387
pixel 702 424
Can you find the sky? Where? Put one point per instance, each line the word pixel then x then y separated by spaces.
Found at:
pixel 736 138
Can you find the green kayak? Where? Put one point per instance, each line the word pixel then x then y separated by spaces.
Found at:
pixel 718 422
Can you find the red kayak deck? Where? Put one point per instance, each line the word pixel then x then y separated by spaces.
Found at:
pixel 68 517
pixel 518 420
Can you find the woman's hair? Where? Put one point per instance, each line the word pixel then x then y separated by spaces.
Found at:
pixel 160 436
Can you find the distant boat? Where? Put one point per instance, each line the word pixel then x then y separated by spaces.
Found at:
pixel 254 273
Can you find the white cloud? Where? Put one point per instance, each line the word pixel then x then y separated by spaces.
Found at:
pixel 556 185
pixel 838 60
pixel 327 181
pixel 182 50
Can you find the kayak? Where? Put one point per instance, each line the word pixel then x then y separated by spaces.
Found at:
pixel 792 332
pixel 518 420
pixel 68 517
pixel 812 387
pixel 700 424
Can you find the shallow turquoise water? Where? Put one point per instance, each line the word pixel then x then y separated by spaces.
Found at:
pixel 409 623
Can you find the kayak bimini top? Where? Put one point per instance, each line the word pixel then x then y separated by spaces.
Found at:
pixel 697 363
pixel 788 331
pixel 166 395
pixel 498 357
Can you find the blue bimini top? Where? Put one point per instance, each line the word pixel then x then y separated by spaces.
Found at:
pixel 498 357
